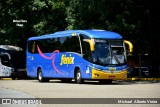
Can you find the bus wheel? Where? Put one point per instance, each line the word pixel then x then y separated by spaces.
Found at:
pixel 41 78
pixel 13 78
pixel 78 78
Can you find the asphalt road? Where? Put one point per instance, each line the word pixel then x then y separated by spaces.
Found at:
pixel 56 89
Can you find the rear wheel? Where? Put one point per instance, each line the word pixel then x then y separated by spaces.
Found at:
pixel 13 78
pixel 13 75
pixel 41 78
pixel 78 78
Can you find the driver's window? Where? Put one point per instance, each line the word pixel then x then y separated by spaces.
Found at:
pixel 86 48
pixel 86 51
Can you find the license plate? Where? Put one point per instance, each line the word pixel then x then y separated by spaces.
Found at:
pixel 111 77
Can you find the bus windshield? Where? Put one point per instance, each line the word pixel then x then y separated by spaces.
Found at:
pixel 109 52
pixel 16 60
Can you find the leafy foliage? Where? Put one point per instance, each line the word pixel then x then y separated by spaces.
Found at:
pixel 42 17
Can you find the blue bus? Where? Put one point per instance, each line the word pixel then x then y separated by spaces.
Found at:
pixel 77 54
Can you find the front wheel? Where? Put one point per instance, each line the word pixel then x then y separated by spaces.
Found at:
pixel 78 78
pixel 41 78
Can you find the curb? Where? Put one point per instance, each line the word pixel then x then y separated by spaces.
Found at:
pixel 143 79
pixel 5 78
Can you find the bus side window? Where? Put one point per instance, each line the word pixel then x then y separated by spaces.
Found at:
pixel 33 47
pixel 70 44
pixel 74 44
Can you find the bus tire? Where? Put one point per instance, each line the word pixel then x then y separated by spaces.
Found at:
pixel 78 78
pixel 40 76
pixel 14 78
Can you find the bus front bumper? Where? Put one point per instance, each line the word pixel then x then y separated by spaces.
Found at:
pixel 111 75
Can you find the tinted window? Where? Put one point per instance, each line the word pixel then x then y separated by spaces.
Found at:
pixel 63 44
pixel 32 47
pixel 46 45
pixel 70 44
pixel 49 45
pixel 86 48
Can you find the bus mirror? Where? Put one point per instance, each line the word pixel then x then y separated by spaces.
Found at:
pixel 91 43
pixel 130 45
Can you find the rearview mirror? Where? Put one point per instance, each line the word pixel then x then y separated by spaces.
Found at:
pixel 91 43
pixel 130 45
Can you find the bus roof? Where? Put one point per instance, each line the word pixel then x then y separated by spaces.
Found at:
pixel 90 33
pixel 10 47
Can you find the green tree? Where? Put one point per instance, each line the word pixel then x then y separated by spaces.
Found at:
pixel 42 16
pixel 137 21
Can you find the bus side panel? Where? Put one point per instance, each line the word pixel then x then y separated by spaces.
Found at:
pixel 64 64
pixel 35 61
pixel 31 69
pixel 83 65
pixel 61 65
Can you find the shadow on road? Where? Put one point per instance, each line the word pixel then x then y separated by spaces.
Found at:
pixel 97 82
